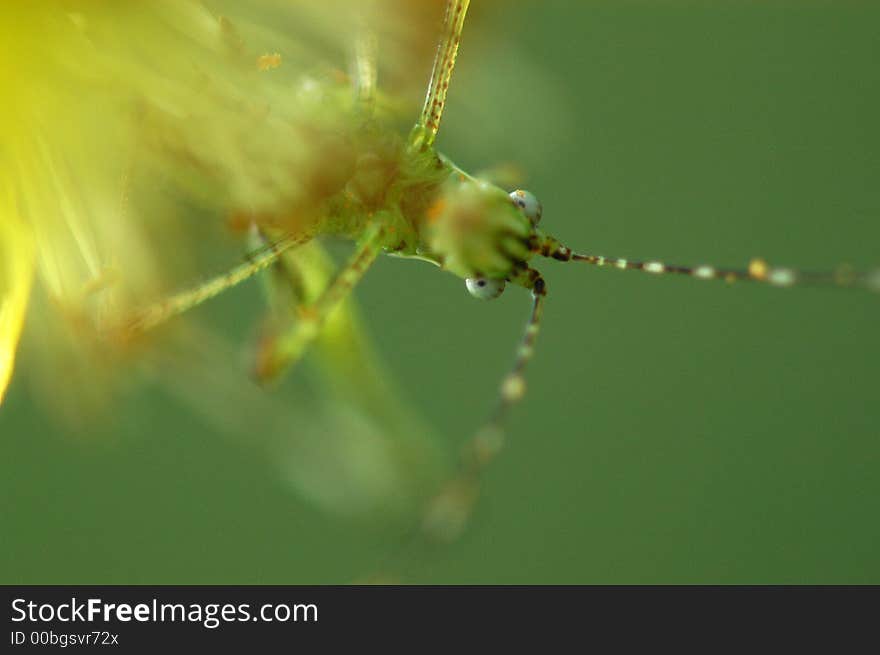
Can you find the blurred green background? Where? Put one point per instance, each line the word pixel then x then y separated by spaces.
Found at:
pixel 674 431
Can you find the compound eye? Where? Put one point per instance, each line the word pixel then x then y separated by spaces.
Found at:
pixel 484 289
pixel 529 205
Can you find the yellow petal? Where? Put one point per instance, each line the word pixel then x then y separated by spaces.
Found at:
pixel 16 276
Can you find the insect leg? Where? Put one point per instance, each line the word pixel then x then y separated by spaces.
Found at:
pixel 449 510
pixel 365 70
pixel 425 131
pixel 158 313
pixel 278 352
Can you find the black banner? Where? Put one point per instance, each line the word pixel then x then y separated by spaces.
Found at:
pixel 138 619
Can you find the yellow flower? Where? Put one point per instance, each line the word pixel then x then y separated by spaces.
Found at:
pixel 16 260
pixel 133 135
pixel 131 131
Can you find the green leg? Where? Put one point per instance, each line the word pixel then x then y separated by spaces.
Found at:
pixel 160 312
pixel 365 71
pixel 279 350
pixel 425 132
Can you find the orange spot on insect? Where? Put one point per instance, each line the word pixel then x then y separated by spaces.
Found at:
pixel 269 61
pixel 239 222
pixel 758 269
pixel 434 210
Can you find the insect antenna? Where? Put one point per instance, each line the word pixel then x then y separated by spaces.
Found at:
pixel 488 441
pixel 758 270
pixel 449 511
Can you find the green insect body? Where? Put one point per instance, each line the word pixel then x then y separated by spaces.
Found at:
pixel 427 207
